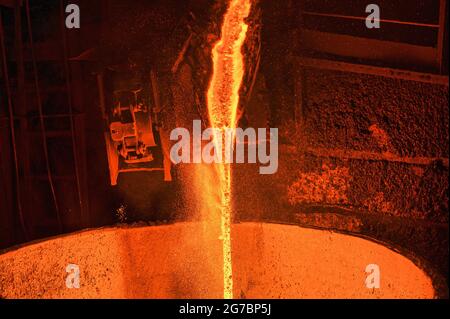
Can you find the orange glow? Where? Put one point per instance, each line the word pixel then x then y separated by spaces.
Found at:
pixel 270 261
pixel 223 100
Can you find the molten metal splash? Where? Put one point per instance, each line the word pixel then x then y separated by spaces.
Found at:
pixel 223 100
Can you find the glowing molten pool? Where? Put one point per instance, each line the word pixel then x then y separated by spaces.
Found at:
pixel 269 261
pixel 223 99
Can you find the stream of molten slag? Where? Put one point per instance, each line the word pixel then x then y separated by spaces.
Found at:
pixel 223 100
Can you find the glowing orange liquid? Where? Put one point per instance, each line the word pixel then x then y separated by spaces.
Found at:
pixel 223 100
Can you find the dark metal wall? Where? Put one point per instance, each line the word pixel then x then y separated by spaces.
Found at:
pixel 51 109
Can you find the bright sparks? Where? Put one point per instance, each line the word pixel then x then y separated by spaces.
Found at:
pixel 223 100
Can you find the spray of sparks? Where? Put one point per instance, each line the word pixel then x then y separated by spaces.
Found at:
pixel 223 100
